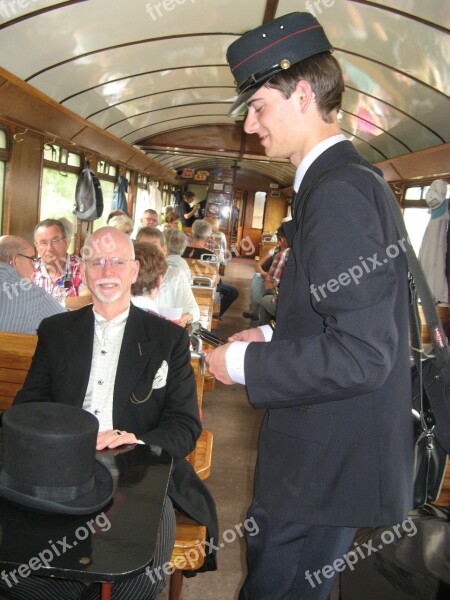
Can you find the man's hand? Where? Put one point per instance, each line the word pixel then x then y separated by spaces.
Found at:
pixel 254 334
pixel 217 365
pixel 112 438
pixel 216 359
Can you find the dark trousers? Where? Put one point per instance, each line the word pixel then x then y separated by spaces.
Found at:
pixel 228 295
pixel 285 560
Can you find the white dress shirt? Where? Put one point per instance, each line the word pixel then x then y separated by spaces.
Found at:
pixel 175 292
pixel 108 336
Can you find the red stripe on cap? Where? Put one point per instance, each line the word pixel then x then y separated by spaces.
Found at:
pixel 274 44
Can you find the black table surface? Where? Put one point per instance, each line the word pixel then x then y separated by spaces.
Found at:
pixel 108 545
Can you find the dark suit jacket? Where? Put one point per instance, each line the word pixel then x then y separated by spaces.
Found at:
pixel 169 419
pixel 336 442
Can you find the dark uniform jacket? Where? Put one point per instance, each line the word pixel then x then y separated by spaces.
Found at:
pixel 336 444
pixel 168 419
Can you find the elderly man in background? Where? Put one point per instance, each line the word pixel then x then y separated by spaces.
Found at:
pixel 150 218
pixel 57 272
pixel 23 305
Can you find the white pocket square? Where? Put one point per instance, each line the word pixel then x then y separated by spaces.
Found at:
pixel 161 376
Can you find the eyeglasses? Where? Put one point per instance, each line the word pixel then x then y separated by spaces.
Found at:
pixel 34 261
pixel 46 243
pixel 115 263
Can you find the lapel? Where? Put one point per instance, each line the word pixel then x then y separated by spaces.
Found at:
pixel 78 340
pixel 137 349
pixel 340 154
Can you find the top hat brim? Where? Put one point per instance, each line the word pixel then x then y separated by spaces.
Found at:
pixel 88 503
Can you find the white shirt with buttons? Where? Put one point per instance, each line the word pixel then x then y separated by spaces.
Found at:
pixel 108 336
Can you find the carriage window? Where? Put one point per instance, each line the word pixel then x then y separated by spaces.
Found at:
pixel 108 192
pixel 258 210
pixel 416 213
pixel 58 199
pixel 59 179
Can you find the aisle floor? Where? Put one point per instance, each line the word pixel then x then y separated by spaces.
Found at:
pixel 235 424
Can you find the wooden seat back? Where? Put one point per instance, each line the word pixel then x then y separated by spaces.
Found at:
pixel 16 352
pixel 201 268
pixel 205 299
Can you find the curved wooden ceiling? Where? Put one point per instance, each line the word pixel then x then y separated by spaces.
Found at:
pixel 154 73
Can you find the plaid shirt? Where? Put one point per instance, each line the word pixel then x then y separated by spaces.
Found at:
pixel 277 267
pixel 71 277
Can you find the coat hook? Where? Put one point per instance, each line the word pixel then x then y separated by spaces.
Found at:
pixel 16 138
pixel 48 145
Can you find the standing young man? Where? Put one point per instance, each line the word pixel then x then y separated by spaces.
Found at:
pixel 335 449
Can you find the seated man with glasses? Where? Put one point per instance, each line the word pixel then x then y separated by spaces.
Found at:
pixel 132 370
pixel 57 272
pixel 22 304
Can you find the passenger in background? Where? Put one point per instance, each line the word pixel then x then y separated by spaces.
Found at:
pixel 172 221
pixel 219 239
pixel 263 282
pixel 201 231
pixel 175 290
pixel 23 305
pixel 152 268
pixel 57 272
pixel 122 223
pixel 152 235
pixel 114 213
pixel 150 218
pixel 191 209
pixel 169 210
pixel 269 302
pixel 176 242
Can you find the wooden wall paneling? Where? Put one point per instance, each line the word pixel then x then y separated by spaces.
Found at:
pixel 23 184
pixel 275 211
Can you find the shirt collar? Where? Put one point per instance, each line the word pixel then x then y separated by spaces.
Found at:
pixel 62 274
pixel 312 155
pixel 116 321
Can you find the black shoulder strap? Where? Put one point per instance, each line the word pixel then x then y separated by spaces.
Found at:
pixel 437 335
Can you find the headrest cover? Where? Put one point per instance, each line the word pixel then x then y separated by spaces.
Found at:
pixel 436 193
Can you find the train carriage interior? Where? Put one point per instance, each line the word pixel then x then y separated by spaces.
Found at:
pixel 143 89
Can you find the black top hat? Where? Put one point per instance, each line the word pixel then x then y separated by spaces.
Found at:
pixel 49 459
pixel 259 54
